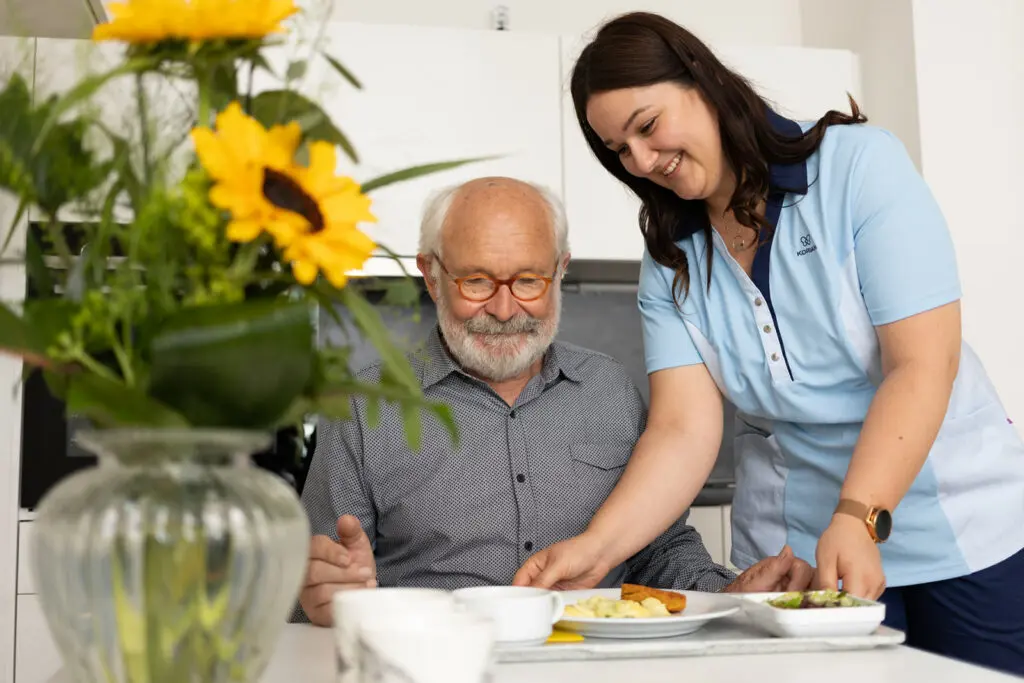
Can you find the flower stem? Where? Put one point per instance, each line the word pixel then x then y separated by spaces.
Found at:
pixel 203 84
pixel 140 98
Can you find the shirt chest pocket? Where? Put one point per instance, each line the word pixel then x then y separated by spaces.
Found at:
pixel 597 468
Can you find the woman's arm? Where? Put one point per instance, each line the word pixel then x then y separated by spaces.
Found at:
pixel 669 466
pixel 920 359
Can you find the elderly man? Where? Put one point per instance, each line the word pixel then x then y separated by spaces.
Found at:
pixel 546 429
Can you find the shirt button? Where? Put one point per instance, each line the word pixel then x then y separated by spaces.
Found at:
pixel 758 301
pixel 528 545
pixel 512 415
pixel 775 358
pixel 767 329
pixel 520 478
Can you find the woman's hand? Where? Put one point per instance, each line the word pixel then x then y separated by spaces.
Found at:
pixel 846 552
pixel 573 564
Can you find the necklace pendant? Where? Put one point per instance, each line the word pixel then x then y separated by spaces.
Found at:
pixel 738 243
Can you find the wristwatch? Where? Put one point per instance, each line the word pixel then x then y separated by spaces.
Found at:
pixel 877 520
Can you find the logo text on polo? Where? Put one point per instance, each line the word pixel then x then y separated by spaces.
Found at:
pixel 808 245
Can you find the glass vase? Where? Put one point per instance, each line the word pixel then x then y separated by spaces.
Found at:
pixel 174 560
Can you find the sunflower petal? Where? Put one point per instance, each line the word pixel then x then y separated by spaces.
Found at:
pixel 243 230
pixel 304 271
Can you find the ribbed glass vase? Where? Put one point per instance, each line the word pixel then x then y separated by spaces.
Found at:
pixel 172 561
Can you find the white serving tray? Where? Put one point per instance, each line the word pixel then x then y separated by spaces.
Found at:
pixel 729 636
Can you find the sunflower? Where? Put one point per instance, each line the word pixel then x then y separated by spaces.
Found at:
pixel 153 21
pixel 309 211
pixel 246 161
pixel 333 245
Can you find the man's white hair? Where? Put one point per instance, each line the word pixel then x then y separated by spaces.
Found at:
pixel 435 212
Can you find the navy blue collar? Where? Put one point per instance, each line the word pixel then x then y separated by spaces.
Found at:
pixel 786 177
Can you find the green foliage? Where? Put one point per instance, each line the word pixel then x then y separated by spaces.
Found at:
pixel 161 320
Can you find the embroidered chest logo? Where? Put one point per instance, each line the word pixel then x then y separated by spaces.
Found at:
pixel 807 245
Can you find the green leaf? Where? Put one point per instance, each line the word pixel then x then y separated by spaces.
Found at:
pixel 369 322
pixel 223 86
pixel 413 426
pixel 345 73
pixel 85 89
pixel 234 365
pixel 110 403
pixel 47 318
pixel 417 171
pixel 274 107
pixel 16 337
pixel 296 70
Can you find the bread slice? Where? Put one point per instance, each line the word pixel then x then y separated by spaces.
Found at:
pixel 674 602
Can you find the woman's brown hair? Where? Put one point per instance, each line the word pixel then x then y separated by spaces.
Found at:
pixel 641 49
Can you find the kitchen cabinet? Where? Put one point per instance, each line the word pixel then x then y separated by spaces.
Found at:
pixel 801 83
pixel 37 659
pixel 434 94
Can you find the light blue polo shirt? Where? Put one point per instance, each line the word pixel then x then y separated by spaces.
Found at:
pixel 860 242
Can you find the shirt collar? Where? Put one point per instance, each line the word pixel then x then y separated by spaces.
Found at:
pixel 437 362
pixel 786 177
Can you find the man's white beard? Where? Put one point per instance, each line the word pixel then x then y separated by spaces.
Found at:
pixel 496 350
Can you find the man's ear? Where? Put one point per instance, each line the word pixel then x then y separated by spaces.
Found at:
pixel 423 263
pixel 565 263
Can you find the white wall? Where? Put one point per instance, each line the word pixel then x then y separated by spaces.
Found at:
pixel 749 22
pixel 970 84
pixel 881 33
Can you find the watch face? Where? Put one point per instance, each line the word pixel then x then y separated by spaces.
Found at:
pixel 883 524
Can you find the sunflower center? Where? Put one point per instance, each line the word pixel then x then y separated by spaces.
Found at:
pixel 285 193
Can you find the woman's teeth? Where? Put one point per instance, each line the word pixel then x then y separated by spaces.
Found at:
pixel 672 165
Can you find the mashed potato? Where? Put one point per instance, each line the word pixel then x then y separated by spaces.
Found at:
pixel 599 607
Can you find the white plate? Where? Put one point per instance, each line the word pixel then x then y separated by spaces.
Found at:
pixel 700 609
pixel 860 620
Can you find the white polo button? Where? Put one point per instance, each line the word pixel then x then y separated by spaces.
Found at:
pixel 775 358
pixel 758 301
pixel 767 329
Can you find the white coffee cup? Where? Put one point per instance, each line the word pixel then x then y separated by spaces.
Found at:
pixel 521 615
pixel 443 647
pixel 353 607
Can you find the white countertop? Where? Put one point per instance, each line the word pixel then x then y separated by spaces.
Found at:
pixel 305 653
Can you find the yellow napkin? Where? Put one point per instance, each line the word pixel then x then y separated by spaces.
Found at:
pixel 559 636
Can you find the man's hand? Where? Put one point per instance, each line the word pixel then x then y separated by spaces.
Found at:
pixel 774 574
pixel 573 564
pixel 334 567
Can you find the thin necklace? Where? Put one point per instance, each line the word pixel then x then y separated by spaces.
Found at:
pixel 739 243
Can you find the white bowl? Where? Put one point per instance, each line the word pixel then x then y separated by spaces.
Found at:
pixel 860 620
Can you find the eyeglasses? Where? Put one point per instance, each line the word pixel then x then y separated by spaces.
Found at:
pixel 482 287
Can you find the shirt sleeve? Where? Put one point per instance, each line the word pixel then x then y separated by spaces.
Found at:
pixel 336 484
pixel 678 560
pixel 667 342
pixel 906 261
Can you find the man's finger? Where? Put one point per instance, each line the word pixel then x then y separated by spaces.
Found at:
pixel 325 549
pixel 320 572
pixel 801 576
pixel 351 534
pixel 321 595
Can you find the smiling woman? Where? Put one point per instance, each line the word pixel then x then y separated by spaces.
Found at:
pixel 803 270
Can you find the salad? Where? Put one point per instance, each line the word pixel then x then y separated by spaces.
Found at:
pixel 814 599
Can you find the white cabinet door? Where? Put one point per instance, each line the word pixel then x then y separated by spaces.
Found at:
pixel 800 82
pixel 435 94
pixel 36 657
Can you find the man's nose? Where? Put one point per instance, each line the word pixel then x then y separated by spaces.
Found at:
pixel 502 305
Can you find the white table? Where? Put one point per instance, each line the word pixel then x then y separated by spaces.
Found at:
pixel 305 653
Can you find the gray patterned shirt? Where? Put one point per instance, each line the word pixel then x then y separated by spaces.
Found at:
pixel 524 477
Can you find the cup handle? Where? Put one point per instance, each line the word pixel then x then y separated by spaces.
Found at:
pixel 558 605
